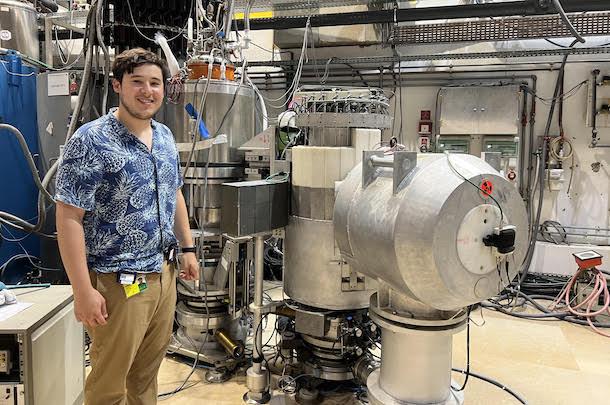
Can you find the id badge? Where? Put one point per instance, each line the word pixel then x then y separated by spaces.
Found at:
pixel 137 287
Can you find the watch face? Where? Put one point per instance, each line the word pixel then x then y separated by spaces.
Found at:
pixel 587 255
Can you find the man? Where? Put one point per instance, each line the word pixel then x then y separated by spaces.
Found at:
pixel 120 212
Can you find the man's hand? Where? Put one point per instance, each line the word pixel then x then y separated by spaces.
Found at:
pixel 190 266
pixel 90 308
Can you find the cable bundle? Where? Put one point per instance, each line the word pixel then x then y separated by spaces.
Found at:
pixel 174 90
pixel 601 287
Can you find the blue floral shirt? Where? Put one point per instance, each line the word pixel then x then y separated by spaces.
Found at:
pixel 127 191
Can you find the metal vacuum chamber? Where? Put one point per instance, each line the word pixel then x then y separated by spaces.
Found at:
pixel 439 232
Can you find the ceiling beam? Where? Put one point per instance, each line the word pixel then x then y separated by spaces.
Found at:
pixel 505 9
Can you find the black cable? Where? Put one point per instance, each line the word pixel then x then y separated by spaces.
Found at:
pixel 224 118
pixel 260 355
pixel 542 175
pixel 467 351
pixel 493 382
pixel 205 340
pixel 546 313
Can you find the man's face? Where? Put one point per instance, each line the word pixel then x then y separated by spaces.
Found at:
pixel 141 92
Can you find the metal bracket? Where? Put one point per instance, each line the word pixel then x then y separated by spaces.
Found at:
pixel 494 159
pixel 403 163
pixel 369 171
pixel 351 280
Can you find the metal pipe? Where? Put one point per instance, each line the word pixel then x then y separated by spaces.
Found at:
pixel 259 251
pixel 530 151
pixel 381 162
pixel 522 144
pixel 586 235
pixel 257 379
pixel 364 367
pixel 595 74
pixel 584 227
pixel 234 348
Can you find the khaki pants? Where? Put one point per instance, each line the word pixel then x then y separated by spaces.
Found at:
pixel 126 353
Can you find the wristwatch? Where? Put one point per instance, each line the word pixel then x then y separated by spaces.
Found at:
pixel 191 249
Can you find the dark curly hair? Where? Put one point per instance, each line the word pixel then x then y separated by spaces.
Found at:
pixel 132 58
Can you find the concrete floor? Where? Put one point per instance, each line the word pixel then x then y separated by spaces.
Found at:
pixel 546 362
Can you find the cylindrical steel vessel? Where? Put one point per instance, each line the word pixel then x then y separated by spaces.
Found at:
pixel 239 123
pixel 18 27
pixel 425 241
pixel 226 162
pixel 315 273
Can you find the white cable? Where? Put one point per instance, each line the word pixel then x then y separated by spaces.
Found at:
pixel 297 76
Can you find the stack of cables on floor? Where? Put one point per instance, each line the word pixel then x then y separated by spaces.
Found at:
pixel 559 292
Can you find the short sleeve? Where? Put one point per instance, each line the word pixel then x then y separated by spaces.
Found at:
pixel 79 174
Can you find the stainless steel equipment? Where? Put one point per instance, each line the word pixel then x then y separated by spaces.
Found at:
pixel 18 27
pixel 211 304
pixel 329 296
pixel 413 222
pixel 225 160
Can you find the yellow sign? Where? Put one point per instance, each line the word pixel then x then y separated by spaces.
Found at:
pixel 258 14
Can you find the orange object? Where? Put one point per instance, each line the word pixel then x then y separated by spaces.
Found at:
pixel 587 259
pixel 487 188
pixel 200 69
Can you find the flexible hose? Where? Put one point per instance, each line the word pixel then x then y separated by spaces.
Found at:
pixel 543 160
pixel 493 382
pixel 100 40
pixel 30 160
pixel 567 21
pixel 83 91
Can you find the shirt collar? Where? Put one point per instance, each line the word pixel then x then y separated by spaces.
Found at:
pixel 115 122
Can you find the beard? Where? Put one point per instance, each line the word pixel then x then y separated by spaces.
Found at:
pixel 134 113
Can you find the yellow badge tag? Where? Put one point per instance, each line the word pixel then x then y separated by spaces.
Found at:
pixel 137 287
pixel 131 289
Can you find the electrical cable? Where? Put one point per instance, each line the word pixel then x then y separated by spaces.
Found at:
pixel 541 174
pixel 467 351
pixel 169 394
pixel 601 287
pixel 546 313
pixel 567 21
pixel 297 77
pixel 478 188
pixel 180 32
pixel 100 40
pixel 564 96
pixel 493 382
pixel 4 63
pixel 72 42
pixel 544 232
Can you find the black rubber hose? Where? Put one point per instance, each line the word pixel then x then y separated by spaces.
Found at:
pixel 493 382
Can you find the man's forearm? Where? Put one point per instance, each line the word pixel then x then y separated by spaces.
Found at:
pixel 71 240
pixel 182 229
